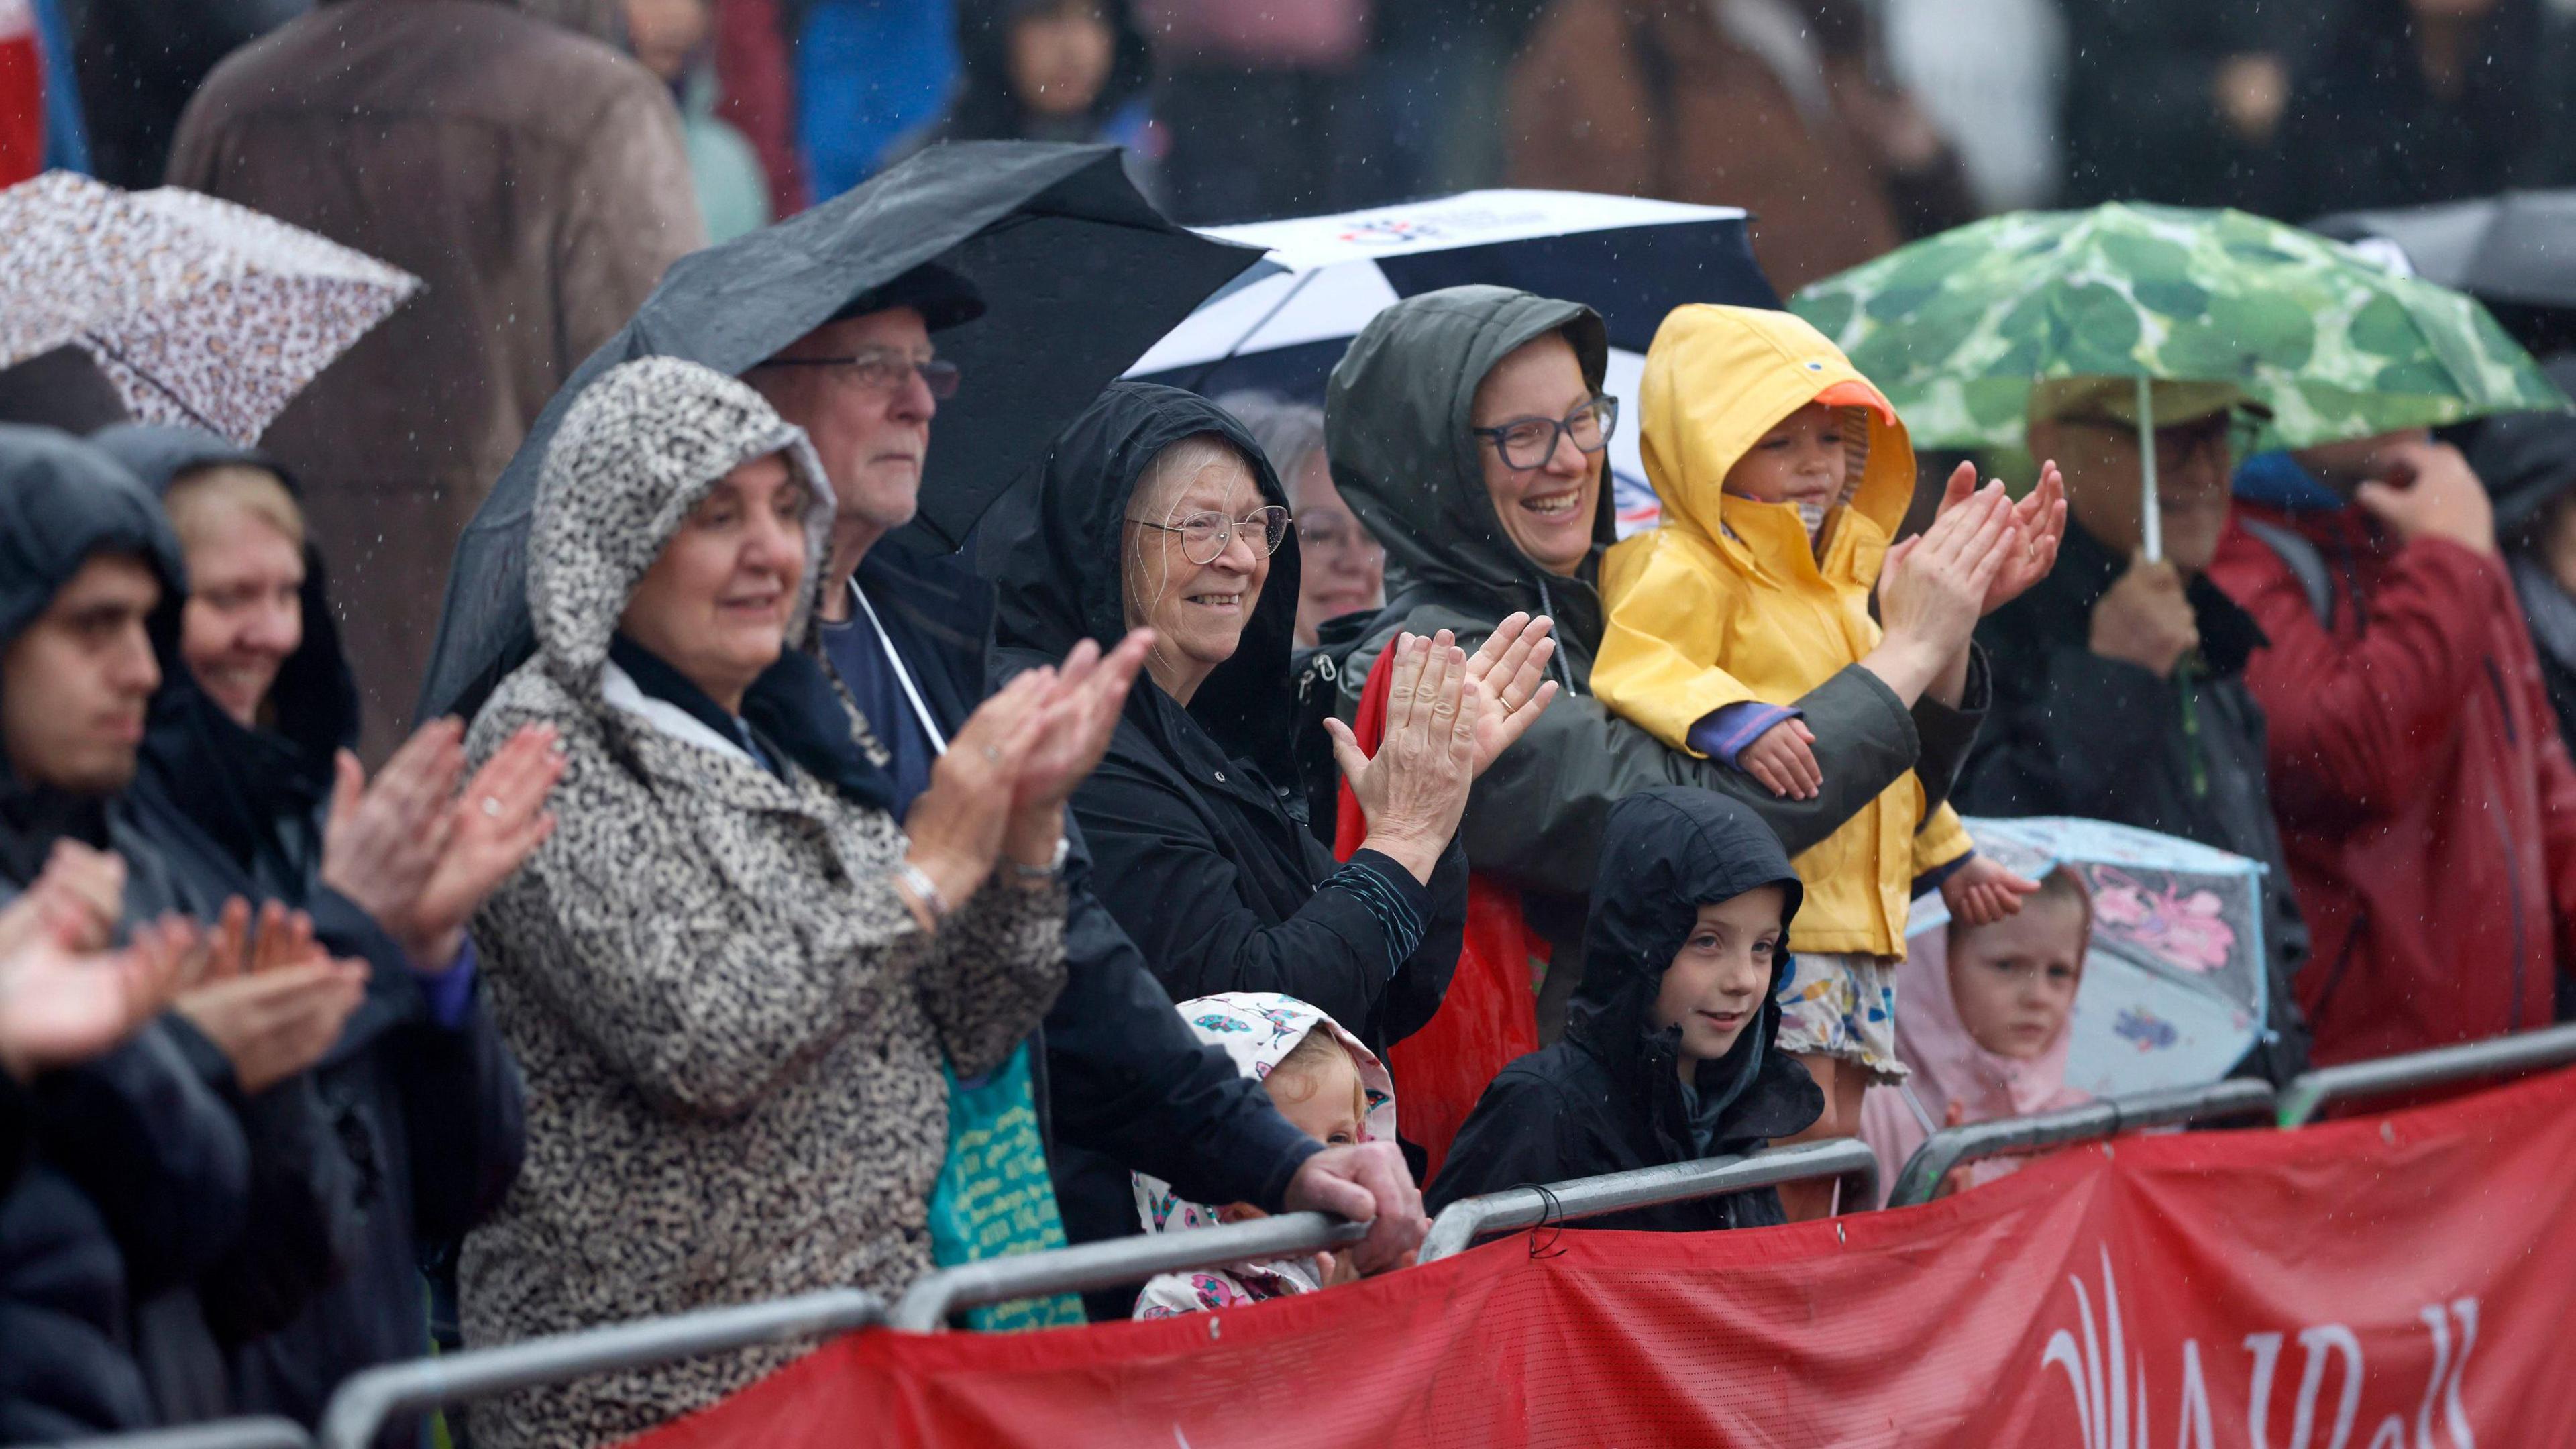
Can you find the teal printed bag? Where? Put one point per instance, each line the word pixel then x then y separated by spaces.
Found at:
pixel 994 1199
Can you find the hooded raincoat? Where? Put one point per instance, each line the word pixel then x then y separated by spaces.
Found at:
pixel 1187 816
pixel 1727 601
pixel 1609 1097
pixel 418 1094
pixel 135 1176
pixel 731 1025
pixel 1396 421
pixel 1946 1066
pixel 1257 1030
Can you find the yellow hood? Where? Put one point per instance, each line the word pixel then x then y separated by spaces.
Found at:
pixel 1718 378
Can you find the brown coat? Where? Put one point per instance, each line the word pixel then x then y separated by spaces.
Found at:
pixel 534 178
pixel 1649 97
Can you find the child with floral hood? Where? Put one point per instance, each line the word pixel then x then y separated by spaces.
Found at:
pixel 1322 1080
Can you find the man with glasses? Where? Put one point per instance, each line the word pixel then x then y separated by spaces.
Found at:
pixel 2119 684
pixel 1122 1084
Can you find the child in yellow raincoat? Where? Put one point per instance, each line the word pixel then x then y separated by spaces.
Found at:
pixel 1783 475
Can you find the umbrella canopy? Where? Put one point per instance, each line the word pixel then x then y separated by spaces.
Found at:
pixel 2173 992
pixel 1078 273
pixel 2519 247
pixel 197 310
pixel 1956 328
pixel 1283 325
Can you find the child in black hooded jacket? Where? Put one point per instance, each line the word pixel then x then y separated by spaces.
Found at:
pixel 1667 1055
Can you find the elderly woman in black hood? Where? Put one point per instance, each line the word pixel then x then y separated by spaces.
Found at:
pixel 1157 508
pixel 246 786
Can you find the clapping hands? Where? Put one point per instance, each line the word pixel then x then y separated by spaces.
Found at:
pixel 417 854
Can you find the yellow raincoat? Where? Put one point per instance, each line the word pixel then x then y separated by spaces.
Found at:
pixel 1727 601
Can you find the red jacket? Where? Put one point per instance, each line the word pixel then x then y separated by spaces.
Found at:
pixel 2427 805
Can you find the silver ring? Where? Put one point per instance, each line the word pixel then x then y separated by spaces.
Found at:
pixel 991 754
pixel 492 806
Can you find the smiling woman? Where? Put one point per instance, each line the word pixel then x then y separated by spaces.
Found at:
pixel 1158 508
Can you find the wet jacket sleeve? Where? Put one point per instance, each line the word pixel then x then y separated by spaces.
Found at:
pixel 1536 816
pixel 1513 1138
pixel 2356 723
pixel 1166 879
pixel 1655 668
pixel 454 1081
pixel 1941 841
pixel 2063 736
pixel 1127 1079
pixel 155 1149
pixel 300 1228
pixel 464 1115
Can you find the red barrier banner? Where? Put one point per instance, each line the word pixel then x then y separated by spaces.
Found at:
pixel 2405 1281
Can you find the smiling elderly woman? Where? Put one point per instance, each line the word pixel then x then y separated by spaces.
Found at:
pixel 1158 509
pixel 730 975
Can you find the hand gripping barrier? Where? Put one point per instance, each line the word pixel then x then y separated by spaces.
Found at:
pixel 368 1399
pixel 2108 1117
pixel 2496 1056
pixel 263 1433
pixel 928 1303
pixel 1467 1219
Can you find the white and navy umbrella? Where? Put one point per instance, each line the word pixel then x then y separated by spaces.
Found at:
pixel 1282 325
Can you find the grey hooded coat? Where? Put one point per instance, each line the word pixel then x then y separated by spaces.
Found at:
pixel 730 1025
pixel 1396 427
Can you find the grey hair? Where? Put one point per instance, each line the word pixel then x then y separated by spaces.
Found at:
pixel 1290 433
pixel 1180 461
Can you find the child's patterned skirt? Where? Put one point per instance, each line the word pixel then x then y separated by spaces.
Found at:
pixel 1843 1005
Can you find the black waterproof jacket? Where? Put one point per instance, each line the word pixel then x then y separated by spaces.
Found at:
pixel 1122 1084
pixel 1608 1097
pixel 1198 856
pixel 135 1178
pixel 425 1115
pixel 2073 733
pixel 1395 423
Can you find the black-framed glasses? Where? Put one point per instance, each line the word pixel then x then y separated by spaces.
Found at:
pixel 1205 535
pixel 1528 443
pixel 884 370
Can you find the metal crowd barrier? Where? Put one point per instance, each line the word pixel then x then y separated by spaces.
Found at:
pixel 1955 1147
pixel 262 1433
pixel 928 1303
pixel 368 1399
pixel 1463 1221
pixel 2496 1056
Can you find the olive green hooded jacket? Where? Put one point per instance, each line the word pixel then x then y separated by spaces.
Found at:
pixel 1396 428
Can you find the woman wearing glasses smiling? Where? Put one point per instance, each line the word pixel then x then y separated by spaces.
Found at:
pixel 1158 509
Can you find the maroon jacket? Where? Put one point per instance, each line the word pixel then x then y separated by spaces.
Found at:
pixel 2426 802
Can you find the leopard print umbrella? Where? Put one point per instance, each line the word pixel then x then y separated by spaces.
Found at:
pixel 199 311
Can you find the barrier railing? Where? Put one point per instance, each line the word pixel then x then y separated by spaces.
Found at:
pixel 1462 1222
pixel 2496 1056
pixel 928 1303
pixel 368 1399
pixel 262 1433
pixel 1956 1147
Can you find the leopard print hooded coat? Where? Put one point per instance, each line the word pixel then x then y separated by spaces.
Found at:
pixel 730 1025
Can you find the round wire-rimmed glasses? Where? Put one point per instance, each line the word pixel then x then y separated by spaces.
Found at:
pixel 1205 535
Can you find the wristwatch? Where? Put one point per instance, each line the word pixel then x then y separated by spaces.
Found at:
pixel 1049 871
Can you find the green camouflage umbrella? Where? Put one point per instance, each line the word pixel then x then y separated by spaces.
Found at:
pixel 1955 328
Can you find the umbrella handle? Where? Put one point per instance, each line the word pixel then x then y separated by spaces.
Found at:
pixel 2151 513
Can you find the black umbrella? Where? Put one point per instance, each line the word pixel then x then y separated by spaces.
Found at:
pixel 1079 275
pixel 2516 251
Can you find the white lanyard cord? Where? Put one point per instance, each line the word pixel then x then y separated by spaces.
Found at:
pixel 902 676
